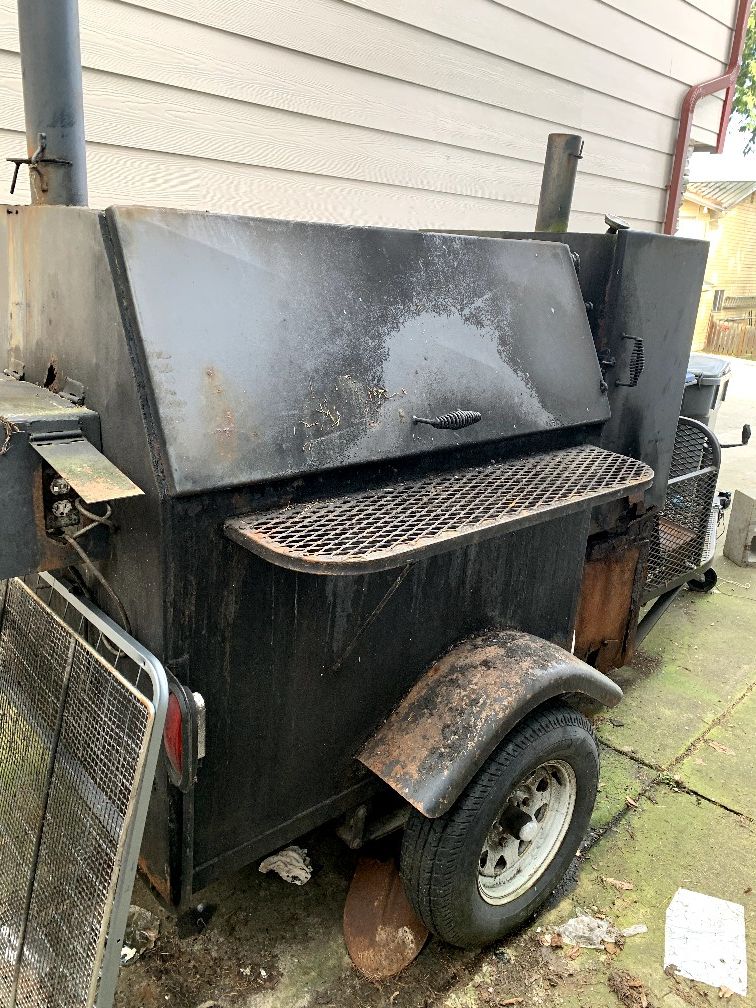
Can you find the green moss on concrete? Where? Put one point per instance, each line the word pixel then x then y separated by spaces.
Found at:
pixel 673 841
pixel 726 777
pixel 697 660
pixel 621 778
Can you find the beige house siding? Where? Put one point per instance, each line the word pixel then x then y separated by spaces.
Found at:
pixel 404 113
pixel 731 265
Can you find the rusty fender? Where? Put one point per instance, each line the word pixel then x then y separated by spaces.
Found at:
pixel 438 737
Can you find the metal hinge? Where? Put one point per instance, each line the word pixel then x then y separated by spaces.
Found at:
pixel 73 391
pixel 16 369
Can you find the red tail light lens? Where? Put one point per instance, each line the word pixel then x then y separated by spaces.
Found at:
pixel 173 735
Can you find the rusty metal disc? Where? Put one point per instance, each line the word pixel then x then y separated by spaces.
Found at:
pixel 381 930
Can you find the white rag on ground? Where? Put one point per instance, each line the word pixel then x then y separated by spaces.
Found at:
pixel 292 864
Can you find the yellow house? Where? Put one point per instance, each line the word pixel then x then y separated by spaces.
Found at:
pixel 724 213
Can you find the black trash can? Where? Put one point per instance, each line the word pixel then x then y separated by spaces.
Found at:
pixel 705 394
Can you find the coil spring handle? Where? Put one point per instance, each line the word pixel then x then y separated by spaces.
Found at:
pixel 456 420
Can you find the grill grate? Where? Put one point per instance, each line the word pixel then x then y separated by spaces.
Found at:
pixel 78 709
pixel 382 528
pixel 680 544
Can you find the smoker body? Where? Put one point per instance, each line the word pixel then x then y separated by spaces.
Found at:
pixel 239 366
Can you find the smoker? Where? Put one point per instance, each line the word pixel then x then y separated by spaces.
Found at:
pixel 308 523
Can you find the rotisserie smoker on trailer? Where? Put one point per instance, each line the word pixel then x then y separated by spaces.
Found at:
pixel 347 523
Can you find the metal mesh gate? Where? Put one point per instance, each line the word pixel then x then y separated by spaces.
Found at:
pixel 81 713
pixel 682 542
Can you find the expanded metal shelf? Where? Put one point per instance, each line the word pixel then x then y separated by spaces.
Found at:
pixel 393 525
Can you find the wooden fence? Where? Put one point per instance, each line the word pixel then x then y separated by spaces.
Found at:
pixel 735 339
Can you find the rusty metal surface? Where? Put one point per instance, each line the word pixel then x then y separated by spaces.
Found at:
pixel 610 597
pixel 457 713
pixel 382 933
pixel 283 347
pixel 383 528
pixel 93 476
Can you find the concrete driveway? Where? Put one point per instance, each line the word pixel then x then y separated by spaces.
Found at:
pixel 675 809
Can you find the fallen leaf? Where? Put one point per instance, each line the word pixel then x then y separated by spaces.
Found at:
pixel 574 952
pixel 718 747
pixel 726 993
pixel 617 884
pixel 611 948
pixel 556 941
pixel 631 802
pixel 513 1001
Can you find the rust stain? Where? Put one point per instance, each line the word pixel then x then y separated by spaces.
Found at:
pixel 604 610
pixel 382 933
pixel 455 706
pixel 159 882
pixel 458 711
pixel 220 417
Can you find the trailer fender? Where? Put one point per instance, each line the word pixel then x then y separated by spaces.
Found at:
pixel 453 718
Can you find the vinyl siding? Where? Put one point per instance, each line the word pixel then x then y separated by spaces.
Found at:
pixel 404 113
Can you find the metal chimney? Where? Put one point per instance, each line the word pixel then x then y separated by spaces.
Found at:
pixel 563 152
pixel 53 101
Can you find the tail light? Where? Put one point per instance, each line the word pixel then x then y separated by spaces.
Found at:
pixel 173 735
pixel 184 734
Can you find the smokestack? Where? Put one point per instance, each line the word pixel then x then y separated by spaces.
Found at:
pixel 53 101
pixel 563 152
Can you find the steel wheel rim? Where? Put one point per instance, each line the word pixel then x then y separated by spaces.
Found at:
pixel 527 832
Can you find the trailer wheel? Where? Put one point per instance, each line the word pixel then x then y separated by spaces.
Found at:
pixel 488 864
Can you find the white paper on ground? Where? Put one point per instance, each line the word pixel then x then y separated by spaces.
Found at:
pixel 705 940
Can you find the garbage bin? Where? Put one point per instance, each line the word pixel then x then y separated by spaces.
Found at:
pixel 703 396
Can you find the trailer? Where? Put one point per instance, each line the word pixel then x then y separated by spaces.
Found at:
pixel 305 523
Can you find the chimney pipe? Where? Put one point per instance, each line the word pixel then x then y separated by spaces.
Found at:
pixel 53 101
pixel 563 152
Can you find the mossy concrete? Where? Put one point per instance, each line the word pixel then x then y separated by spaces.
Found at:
pixel 695 663
pixel 674 840
pixel 621 778
pixel 722 766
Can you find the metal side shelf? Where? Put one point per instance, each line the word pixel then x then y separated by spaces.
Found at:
pixel 390 526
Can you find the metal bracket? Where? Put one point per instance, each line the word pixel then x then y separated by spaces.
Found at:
pixel 38 158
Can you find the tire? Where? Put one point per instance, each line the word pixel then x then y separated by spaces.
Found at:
pixel 466 894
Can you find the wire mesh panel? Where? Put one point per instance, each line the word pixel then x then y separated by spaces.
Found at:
pixel 681 543
pixel 80 708
pixel 387 526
